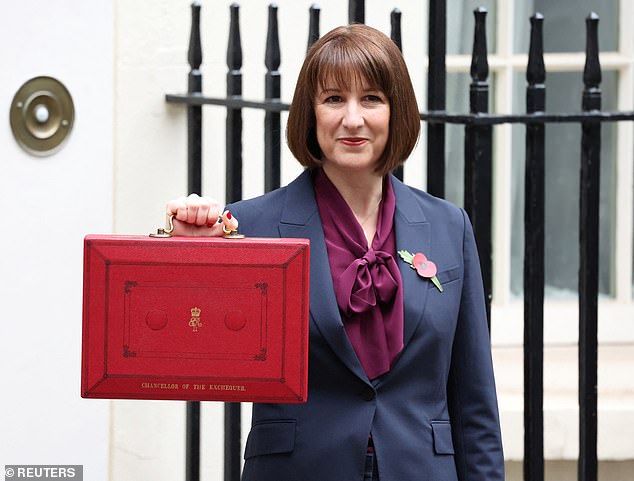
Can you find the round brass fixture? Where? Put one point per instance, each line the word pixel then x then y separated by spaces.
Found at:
pixel 42 115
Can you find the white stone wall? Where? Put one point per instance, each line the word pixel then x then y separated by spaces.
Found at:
pixel 48 205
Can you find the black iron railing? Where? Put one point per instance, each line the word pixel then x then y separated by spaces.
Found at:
pixel 478 194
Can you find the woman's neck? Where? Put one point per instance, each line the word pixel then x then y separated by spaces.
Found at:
pixel 362 191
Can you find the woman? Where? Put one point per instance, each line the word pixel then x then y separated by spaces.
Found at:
pixel 401 384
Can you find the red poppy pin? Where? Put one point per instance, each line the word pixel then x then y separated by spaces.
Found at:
pixel 422 265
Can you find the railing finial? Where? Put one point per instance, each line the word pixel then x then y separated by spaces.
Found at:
pixel 313 24
pixel 272 56
pixel 535 70
pixel 234 48
pixel 195 52
pixel 395 21
pixel 479 62
pixel 356 11
pixel 592 69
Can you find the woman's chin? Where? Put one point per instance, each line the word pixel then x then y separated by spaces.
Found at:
pixel 354 166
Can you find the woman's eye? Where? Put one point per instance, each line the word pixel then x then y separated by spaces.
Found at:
pixel 333 99
pixel 373 98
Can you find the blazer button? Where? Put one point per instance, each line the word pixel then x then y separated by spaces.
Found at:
pixel 368 393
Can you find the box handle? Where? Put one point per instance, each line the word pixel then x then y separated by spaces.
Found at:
pixel 164 233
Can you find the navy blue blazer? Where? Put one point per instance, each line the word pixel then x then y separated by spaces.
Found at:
pixel 434 416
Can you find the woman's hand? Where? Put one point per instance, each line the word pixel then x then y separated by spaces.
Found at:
pixel 199 216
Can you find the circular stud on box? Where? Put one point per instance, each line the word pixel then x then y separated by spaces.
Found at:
pixel 42 115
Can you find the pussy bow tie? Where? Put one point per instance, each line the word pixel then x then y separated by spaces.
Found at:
pixel 366 281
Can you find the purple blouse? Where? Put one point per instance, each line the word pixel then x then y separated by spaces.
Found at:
pixel 367 281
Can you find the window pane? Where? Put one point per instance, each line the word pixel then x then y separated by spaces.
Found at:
pixel 458 102
pixel 563 154
pixel 460 22
pixel 564 24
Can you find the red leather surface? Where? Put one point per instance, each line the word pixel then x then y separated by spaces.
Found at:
pixel 195 318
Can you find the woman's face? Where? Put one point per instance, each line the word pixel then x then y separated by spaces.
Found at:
pixel 352 126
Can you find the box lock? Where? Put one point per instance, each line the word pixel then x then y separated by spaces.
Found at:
pixel 42 115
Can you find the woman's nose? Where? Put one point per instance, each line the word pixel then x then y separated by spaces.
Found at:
pixel 353 115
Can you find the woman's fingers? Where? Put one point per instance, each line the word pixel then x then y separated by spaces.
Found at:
pixel 194 209
pixel 229 222
pixel 199 216
pixel 177 208
pixel 194 204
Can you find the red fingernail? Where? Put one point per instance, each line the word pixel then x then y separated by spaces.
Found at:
pixel 228 215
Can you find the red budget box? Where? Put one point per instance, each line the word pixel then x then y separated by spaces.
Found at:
pixel 195 318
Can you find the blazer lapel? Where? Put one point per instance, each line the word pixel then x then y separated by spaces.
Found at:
pixel 300 218
pixel 413 234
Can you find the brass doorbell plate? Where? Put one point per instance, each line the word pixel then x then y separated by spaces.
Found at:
pixel 42 115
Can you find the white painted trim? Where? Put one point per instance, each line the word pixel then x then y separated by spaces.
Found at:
pixel 626 39
pixel 623 237
pixel 555 62
pixel 561 429
pixel 624 179
pixel 561 322
pixel 503 160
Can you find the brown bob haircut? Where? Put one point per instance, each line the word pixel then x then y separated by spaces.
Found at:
pixel 345 55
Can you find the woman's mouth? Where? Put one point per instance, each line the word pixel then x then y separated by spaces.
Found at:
pixel 353 141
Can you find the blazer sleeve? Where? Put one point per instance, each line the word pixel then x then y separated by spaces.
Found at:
pixel 471 387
